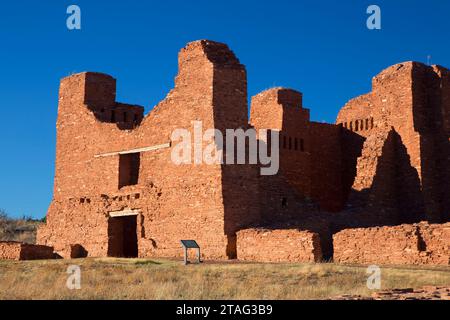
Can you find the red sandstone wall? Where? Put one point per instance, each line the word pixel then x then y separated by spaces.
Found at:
pixel 386 153
pixel 176 202
pixel 292 197
pixel 278 246
pixel 281 109
pixel 375 175
pixel 408 100
pixel 435 241
pixel 326 166
pixel 284 196
pixel 405 244
pixel 10 250
pixel 358 115
pixel 310 153
pixel 444 77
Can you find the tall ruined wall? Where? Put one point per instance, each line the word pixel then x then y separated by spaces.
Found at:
pixel 387 159
pixel 283 196
pixel 430 108
pixel 444 84
pixel 309 180
pixel 281 109
pixel 326 166
pixel 175 201
pixel 239 182
pixel 444 79
pixel 402 116
pixel 310 153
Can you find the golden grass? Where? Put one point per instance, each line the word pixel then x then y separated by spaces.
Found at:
pixel 167 279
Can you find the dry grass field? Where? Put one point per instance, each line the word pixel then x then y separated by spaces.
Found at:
pixel 168 279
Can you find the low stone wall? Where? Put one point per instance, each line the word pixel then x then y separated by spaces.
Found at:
pixel 421 243
pixel 289 245
pixel 22 251
pixel 10 250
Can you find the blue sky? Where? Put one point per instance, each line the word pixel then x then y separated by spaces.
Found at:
pixel 321 48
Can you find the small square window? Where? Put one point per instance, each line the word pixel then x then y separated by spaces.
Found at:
pixel 129 169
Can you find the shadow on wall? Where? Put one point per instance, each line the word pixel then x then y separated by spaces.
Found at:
pixel 78 251
pixel 409 191
pixel 351 146
pixel 230 111
pixel 394 198
pixel 126 118
pixel 100 98
pixel 434 144
pixel 395 195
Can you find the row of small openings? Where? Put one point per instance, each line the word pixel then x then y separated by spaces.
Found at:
pixel 292 143
pixel 126 116
pixel 359 125
pixel 120 198
pixel 128 197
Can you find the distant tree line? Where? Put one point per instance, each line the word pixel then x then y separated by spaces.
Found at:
pixel 18 229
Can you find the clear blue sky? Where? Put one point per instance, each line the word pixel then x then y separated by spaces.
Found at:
pixel 321 48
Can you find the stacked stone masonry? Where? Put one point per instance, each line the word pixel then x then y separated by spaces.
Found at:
pixel 117 193
pixel 421 243
pixel 264 245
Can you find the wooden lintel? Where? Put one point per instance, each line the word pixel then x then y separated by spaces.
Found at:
pixel 124 213
pixel 145 149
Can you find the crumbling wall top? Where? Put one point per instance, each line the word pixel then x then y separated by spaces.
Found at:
pixel 216 52
pixel 396 71
pixel 283 96
pixel 356 108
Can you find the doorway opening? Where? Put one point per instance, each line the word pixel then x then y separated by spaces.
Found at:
pixel 122 237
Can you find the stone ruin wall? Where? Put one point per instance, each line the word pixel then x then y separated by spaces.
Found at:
pixel 380 151
pixel 20 251
pixel 302 144
pixel 326 167
pixel 288 245
pixel 421 243
pixel 395 163
pixel 175 202
pixel 308 185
